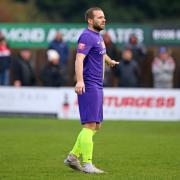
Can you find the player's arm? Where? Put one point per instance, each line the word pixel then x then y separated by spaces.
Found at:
pixel 109 61
pixel 80 87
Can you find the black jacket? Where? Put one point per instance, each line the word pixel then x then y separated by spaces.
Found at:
pixel 52 76
pixel 22 70
pixel 127 73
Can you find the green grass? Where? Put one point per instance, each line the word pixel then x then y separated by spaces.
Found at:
pixel 34 149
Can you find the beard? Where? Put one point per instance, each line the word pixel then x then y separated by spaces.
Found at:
pixel 97 27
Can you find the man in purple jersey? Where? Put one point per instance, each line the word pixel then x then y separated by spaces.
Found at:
pixel 91 54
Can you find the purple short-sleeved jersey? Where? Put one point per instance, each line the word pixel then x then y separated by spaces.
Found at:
pixel 92 45
pixel 90 102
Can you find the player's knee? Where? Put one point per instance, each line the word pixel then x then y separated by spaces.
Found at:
pixel 90 125
pixel 98 127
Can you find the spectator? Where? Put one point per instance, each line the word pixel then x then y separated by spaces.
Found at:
pixel 128 72
pixel 22 70
pixel 1 35
pixel 163 68
pixel 51 74
pixel 112 51
pixel 5 59
pixel 138 49
pixel 61 47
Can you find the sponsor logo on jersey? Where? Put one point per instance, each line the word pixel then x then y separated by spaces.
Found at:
pixel 81 46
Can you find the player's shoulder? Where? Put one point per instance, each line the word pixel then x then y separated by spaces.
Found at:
pixel 87 34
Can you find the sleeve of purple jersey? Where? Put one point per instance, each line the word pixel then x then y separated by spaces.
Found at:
pixel 84 44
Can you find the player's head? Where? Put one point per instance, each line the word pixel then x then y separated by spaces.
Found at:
pixel 95 18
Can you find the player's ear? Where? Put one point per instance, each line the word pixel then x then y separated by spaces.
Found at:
pixel 90 21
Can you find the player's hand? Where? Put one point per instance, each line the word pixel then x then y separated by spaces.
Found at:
pixel 80 87
pixel 112 63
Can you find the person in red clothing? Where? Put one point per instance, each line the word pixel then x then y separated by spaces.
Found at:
pixel 5 58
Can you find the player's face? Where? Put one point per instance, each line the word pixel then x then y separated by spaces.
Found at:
pixel 98 20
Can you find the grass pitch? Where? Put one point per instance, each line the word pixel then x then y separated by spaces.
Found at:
pixel 34 149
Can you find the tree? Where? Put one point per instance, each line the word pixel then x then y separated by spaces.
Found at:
pixel 120 11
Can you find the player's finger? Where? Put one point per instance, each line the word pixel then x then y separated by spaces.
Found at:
pixel 76 90
pixel 115 63
pixel 83 89
pixel 79 90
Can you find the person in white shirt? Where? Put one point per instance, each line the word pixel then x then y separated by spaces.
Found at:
pixel 163 68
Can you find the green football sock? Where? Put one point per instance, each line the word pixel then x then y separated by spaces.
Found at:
pixel 86 144
pixel 94 132
pixel 76 149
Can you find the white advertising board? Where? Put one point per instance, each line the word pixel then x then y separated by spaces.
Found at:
pixel 142 104
pixel 126 104
pixel 29 100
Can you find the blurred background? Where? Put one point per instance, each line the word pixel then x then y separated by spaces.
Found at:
pixel 31 24
pixel 38 42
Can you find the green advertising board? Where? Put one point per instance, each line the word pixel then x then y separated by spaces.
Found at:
pixel 39 35
pixel 168 36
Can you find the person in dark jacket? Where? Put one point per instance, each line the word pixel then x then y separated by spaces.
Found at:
pixel 128 71
pixel 5 58
pixel 22 70
pixel 62 48
pixel 112 51
pixel 137 48
pixel 51 73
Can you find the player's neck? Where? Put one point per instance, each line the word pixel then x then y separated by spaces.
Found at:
pixel 92 29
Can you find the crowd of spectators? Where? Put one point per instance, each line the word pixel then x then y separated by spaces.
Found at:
pixel 20 70
pixel 5 60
